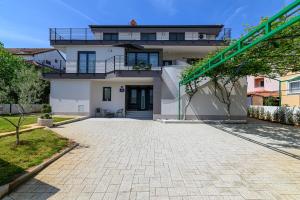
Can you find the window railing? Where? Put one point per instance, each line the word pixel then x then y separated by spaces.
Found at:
pixel 86 34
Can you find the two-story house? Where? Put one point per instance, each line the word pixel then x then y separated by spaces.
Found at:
pixel 135 69
pixel 41 57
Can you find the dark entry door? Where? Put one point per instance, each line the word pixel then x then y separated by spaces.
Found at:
pixel 139 98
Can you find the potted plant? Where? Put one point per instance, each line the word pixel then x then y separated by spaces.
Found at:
pixel 46 117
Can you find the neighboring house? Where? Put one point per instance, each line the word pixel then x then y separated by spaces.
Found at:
pixel 290 87
pixel 41 57
pixel 135 69
pixel 260 88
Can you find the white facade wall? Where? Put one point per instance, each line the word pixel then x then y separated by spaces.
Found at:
pixel 162 35
pixel 204 104
pixel 129 36
pixel 102 53
pixel 70 96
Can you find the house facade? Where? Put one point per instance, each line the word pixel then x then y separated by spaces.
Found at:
pixel 41 57
pixel 135 69
pixel 260 88
pixel 290 90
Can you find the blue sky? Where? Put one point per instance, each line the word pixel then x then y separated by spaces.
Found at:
pixel 25 23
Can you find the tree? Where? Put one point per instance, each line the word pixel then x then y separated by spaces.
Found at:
pixel 275 57
pixel 23 87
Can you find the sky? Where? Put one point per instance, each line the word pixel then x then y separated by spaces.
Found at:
pixel 26 23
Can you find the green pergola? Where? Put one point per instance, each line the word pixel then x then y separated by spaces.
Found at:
pixel 261 33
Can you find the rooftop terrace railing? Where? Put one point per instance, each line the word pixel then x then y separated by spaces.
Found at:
pixel 86 34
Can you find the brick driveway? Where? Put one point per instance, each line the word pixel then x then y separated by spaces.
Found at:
pixel 130 159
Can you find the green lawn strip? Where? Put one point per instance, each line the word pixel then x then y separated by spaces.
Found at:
pixel 60 119
pixel 35 147
pixel 5 126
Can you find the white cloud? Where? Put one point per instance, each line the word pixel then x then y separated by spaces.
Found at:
pixel 165 6
pixel 68 6
pixel 235 13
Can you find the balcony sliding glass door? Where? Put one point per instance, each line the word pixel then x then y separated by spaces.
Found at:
pixel 86 62
pixel 142 58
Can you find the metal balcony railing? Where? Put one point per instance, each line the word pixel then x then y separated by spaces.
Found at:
pixel 86 34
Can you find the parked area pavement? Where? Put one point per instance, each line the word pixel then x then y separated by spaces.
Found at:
pixel 275 135
pixel 132 159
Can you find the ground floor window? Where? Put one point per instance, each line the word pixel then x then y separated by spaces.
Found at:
pixel 142 58
pixel 106 93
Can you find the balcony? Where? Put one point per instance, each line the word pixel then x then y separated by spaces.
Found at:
pixel 102 69
pixel 78 36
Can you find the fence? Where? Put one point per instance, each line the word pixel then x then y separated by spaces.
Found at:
pixel 13 108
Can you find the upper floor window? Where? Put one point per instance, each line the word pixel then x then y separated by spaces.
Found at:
pixel 176 36
pixel 142 58
pixel 110 36
pixel 294 87
pixel 259 82
pixel 148 36
pixel 86 62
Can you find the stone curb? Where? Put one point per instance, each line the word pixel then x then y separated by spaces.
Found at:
pixel 9 187
pixel 165 121
pixel 69 121
pixel 21 131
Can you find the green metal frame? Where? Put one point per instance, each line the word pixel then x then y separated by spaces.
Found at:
pixel 261 33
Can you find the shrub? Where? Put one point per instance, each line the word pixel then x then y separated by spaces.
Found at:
pixel 281 115
pixel 250 112
pixel 276 115
pixel 256 112
pixel 289 114
pixel 268 116
pixel 271 101
pixel 261 113
pixel 297 117
pixel 46 108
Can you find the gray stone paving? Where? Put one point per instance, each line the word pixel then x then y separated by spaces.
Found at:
pixel 131 159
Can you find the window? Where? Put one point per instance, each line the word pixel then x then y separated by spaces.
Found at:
pixel 106 93
pixel 142 58
pixel 110 36
pixel 294 87
pixel 86 62
pixel 259 82
pixel 148 36
pixel 201 36
pixel 176 36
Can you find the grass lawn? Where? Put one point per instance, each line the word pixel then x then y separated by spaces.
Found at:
pixel 5 126
pixel 36 146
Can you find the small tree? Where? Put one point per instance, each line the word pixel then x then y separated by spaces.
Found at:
pixel 297 117
pixel 190 90
pixel 28 88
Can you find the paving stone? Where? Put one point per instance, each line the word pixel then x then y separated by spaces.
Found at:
pixel 134 159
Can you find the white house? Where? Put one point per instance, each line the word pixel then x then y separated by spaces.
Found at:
pixel 43 57
pixel 135 69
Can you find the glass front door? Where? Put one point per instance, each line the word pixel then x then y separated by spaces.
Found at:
pixel 139 98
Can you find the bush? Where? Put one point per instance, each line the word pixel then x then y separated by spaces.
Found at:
pixel 289 114
pixel 281 115
pixel 276 115
pixel 268 116
pixel 271 101
pixel 297 117
pixel 46 108
pixel 250 112
pixel 256 113
pixel 261 113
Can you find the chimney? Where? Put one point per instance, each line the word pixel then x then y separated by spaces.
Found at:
pixel 133 22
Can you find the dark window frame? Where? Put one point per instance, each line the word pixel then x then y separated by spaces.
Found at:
pixel 177 37
pixel 148 57
pixel 111 36
pixel 103 94
pixel 87 61
pixel 145 36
